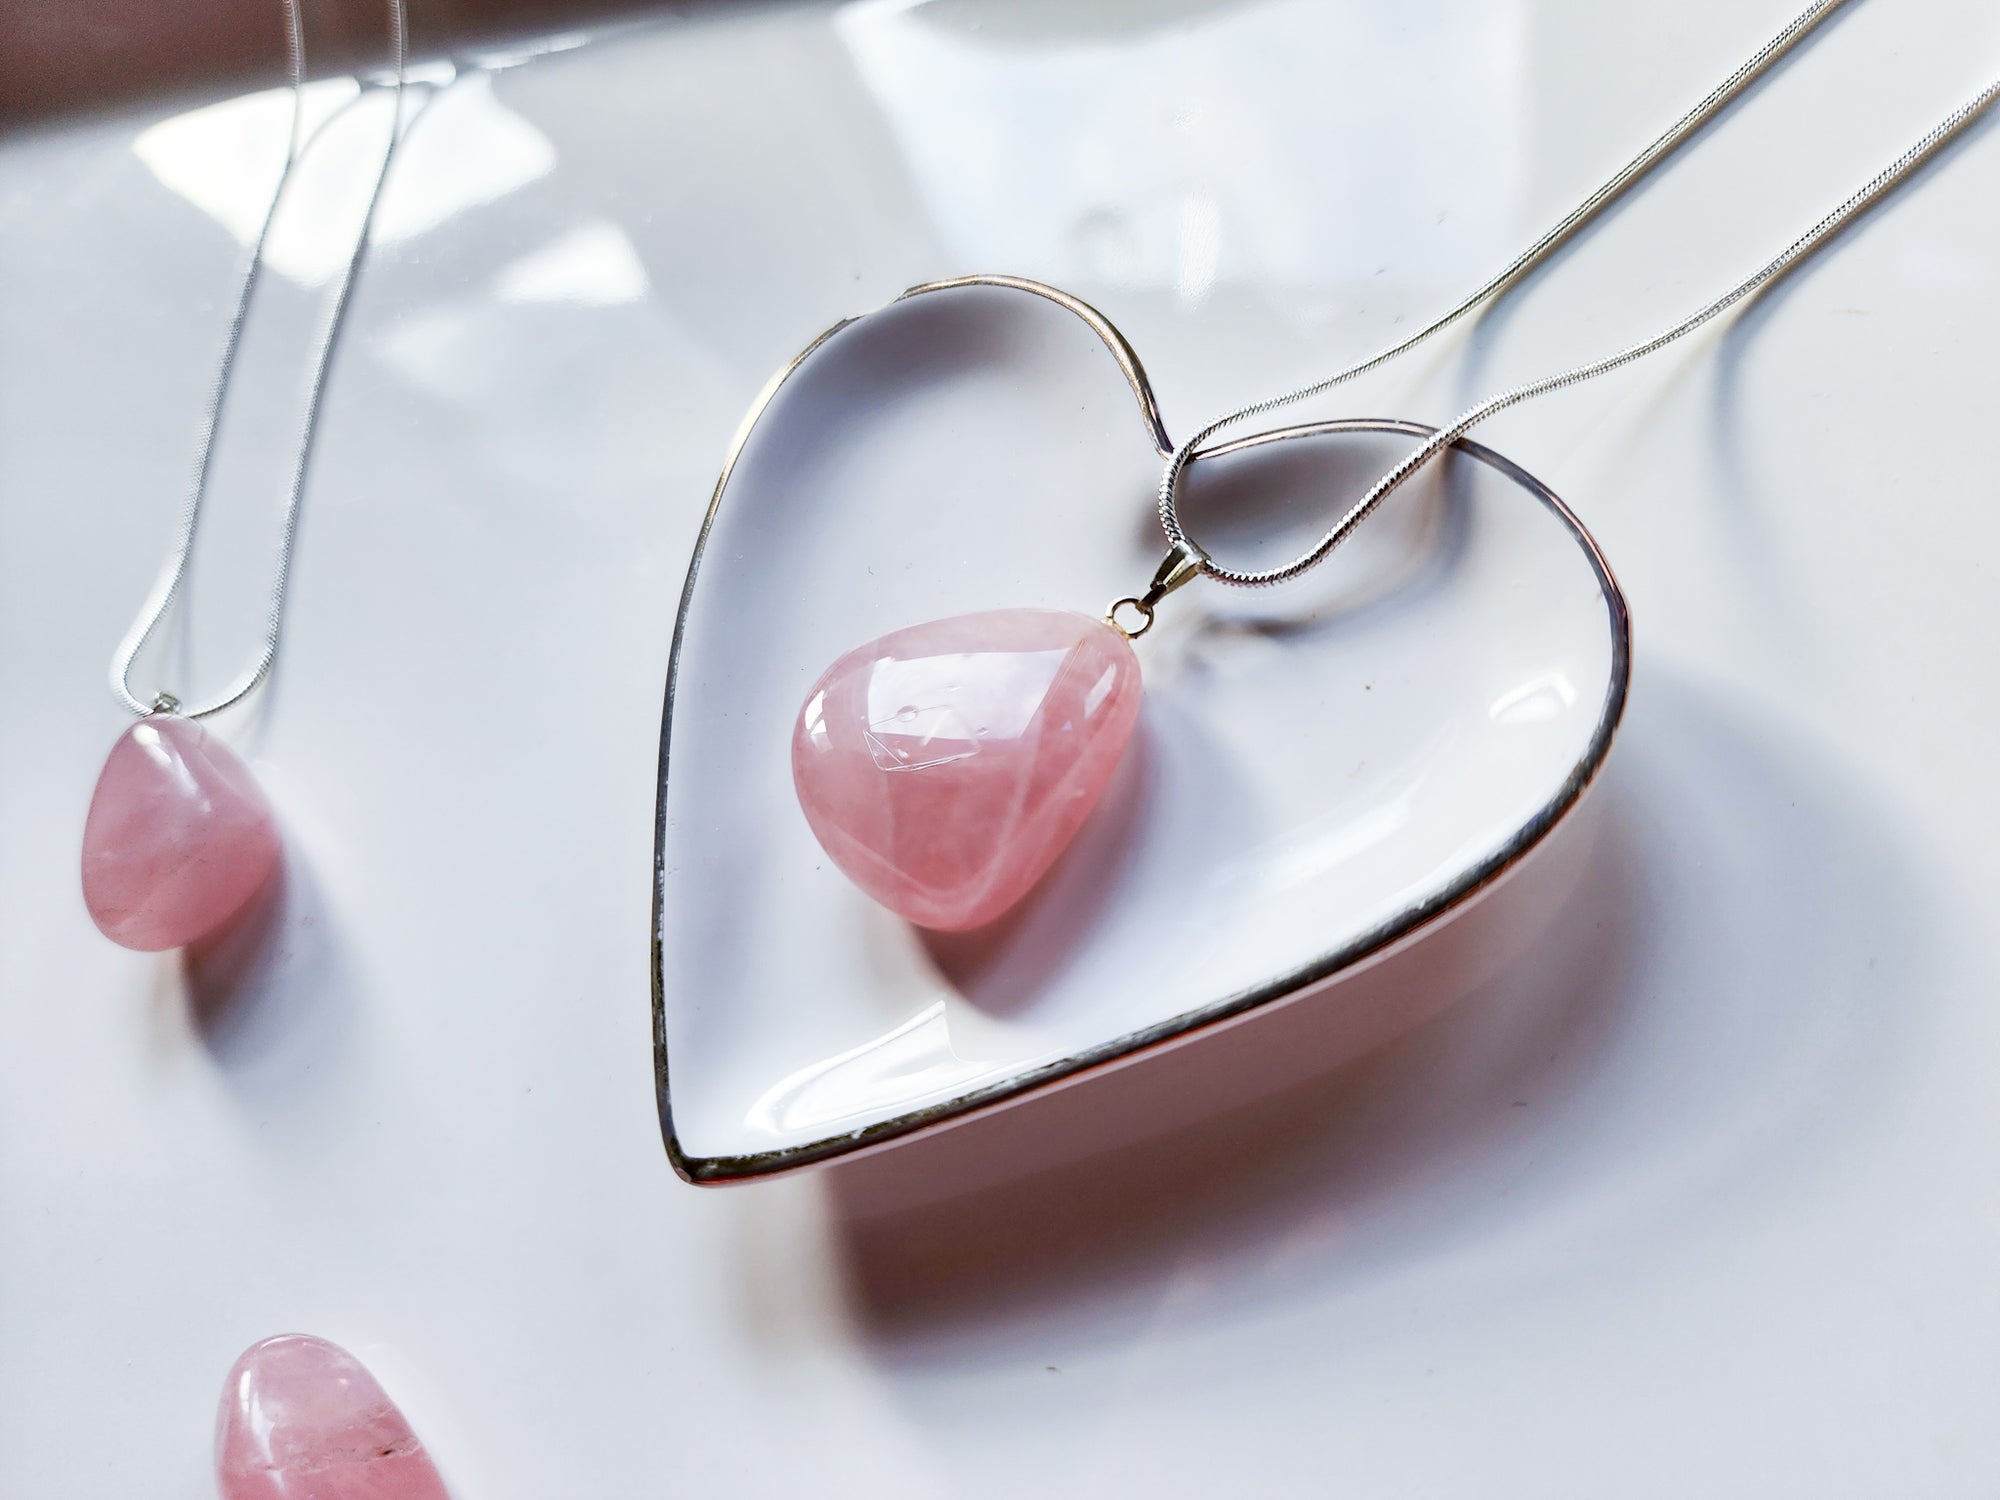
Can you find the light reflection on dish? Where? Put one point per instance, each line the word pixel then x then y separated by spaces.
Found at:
pixel 592 265
pixel 915 1061
pixel 1123 164
pixel 1535 701
pixel 223 158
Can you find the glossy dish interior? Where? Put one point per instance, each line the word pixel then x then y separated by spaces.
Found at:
pixel 1320 769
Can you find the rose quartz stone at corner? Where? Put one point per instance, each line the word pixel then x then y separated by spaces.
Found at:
pixel 302 1419
pixel 179 836
pixel 945 767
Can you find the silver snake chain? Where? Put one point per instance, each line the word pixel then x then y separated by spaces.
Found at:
pixel 1193 559
pixel 168 586
pixel 167 589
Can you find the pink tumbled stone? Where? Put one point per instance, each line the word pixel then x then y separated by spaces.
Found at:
pixel 945 767
pixel 179 836
pixel 302 1419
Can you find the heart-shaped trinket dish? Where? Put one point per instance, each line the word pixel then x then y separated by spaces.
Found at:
pixel 1320 769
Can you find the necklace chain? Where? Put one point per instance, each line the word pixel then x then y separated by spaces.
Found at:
pixel 1191 558
pixel 168 586
pixel 1187 559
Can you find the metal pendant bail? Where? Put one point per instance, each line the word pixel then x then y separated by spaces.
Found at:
pixel 1184 563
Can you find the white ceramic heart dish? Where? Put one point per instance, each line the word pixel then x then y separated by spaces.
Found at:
pixel 1321 769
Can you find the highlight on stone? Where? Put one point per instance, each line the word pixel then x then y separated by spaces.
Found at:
pixel 179 838
pixel 946 767
pixel 302 1419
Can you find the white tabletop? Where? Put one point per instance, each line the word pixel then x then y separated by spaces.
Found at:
pixel 1695 1196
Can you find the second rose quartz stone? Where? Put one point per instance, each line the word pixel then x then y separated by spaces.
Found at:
pixel 945 767
pixel 302 1419
pixel 179 837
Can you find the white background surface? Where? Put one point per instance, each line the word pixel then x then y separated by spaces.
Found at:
pixel 1695 1197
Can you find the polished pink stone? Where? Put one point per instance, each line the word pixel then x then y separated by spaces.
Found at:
pixel 179 836
pixel 945 767
pixel 302 1419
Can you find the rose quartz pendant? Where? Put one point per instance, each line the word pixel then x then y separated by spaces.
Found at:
pixel 945 767
pixel 302 1419
pixel 179 837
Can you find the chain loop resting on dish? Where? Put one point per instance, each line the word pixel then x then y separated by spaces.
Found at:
pixel 168 587
pixel 1656 152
